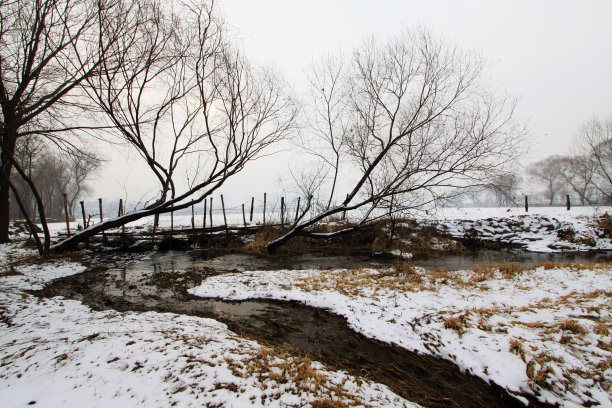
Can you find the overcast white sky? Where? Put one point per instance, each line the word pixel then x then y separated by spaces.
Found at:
pixel 554 55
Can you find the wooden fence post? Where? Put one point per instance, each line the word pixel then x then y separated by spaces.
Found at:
pixel 297 210
pixel 264 211
pixel 282 211
pixel 526 204
pixel 84 217
pixel 192 219
pixel 243 217
pixel 66 213
pixel 252 204
pixel 568 202
pixel 172 221
pixel 120 213
pixel 155 224
pixel 204 218
pixel 224 217
pixel 101 215
pixel 210 213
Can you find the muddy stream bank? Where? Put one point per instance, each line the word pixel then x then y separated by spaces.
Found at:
pixel 159 282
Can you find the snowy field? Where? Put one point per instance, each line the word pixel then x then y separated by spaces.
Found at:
pixel 59 353
pixel 546 332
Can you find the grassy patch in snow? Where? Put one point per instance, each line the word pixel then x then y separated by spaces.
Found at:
pixel 554 317
pixel 404 276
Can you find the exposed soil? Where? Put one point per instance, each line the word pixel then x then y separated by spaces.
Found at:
pixel 160 283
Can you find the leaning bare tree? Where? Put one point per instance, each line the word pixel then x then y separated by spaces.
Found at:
pixel 183 94
pixel 419 124
pixel 48 48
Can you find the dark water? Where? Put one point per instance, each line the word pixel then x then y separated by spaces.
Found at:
pixel 159 282
pixel 472 259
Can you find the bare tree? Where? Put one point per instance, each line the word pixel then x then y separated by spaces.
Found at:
pixel 28 153
pixel 184 95
pixel 594 141
pixel 419 125
pixel 548 173
pixel 579 172
pixel 48 48
pixel 53 172
pixel 504 187
pixel 329 128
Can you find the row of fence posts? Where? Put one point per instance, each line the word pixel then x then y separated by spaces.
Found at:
pixel 207 211
pixel 210 212
pixel 568 204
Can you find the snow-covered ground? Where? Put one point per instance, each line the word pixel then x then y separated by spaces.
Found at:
pixel 546 331
pixel 58 352
pixel 542 229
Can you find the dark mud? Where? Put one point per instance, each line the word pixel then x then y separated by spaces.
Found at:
pixel 159 282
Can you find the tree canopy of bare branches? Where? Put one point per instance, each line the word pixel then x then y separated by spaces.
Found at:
pixel 184 97
pixel 415 122
pixel 48 49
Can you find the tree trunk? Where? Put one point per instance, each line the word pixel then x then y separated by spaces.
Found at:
pixel 4 206
pixel 102 226
pixel 8 149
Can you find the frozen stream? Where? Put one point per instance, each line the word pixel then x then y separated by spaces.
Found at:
pixel 160 281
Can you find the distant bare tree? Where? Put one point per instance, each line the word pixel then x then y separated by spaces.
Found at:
pixel 594 141
pixel 81 166
pixel 579 172
pixel 419 125
pixel 548 173
pixel 53 172
pixel 183 94
pixel 504 187
pixel 28 153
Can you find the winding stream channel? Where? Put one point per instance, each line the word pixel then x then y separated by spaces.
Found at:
pixel 159 282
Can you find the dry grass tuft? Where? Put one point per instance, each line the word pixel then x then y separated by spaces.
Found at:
pixel 538 370
pixel 604 365
pixel 457 323
pixel 508 270
pixel 405 268
pixel 516 347
pixel 601 329
pixel 286 365
pixel 226 386
pixel 572 326
pixel 605 346
pixel 540 377
pixel 327 403
pixel 573 266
